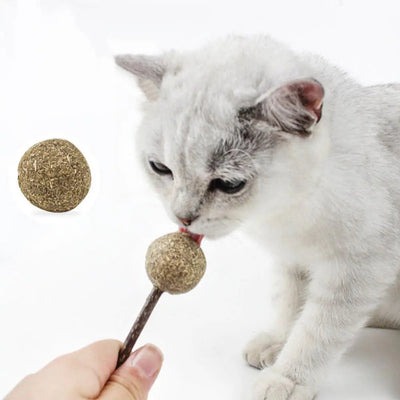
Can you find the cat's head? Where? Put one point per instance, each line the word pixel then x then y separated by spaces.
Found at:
pixel 219 130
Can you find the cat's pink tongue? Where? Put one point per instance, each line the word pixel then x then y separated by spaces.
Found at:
pixel 195 236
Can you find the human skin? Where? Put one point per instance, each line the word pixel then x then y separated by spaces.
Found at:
pixel 89 373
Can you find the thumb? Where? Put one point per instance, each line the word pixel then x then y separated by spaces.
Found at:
pixel 134 378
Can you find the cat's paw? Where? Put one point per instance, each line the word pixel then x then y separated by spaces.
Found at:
pixel 263 350
pixel 272 385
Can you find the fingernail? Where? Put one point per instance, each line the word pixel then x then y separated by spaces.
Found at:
pixel 146 360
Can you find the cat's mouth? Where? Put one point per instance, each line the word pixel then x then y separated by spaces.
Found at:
pixel 197 238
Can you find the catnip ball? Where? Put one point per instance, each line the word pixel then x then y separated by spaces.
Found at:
pixel 175 263
pixel 54 175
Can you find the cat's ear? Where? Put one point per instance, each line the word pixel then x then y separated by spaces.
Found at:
pixel 149 71
pixel 293 108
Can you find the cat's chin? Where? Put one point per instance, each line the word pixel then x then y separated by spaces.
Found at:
pixel 216 235
pixel 213 234
pixel 211 229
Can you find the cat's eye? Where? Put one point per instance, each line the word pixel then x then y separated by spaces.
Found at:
pixel 159 168
pixel 229 187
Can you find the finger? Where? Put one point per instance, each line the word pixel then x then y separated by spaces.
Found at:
pixel 81 374
pixel 85 371
pixel 100 357
pixel 133 379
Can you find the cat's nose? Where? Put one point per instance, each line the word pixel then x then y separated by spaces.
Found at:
pixel 187 221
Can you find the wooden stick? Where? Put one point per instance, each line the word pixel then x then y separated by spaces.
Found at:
pixel 138 325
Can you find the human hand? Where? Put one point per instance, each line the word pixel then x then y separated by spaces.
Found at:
pixel 89 374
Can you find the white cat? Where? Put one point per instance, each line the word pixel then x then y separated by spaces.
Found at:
pixel 243 133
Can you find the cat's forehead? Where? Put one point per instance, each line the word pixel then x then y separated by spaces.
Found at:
pixel 192 136
pixel 208 93
pixel 194 116
pixel 196 112
pixel 197 145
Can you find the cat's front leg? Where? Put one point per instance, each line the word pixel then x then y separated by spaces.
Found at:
pixel 289 290
pixel 339 303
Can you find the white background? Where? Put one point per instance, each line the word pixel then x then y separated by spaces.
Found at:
pixel 69 279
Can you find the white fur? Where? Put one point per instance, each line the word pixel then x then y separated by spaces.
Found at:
pixel 326 205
